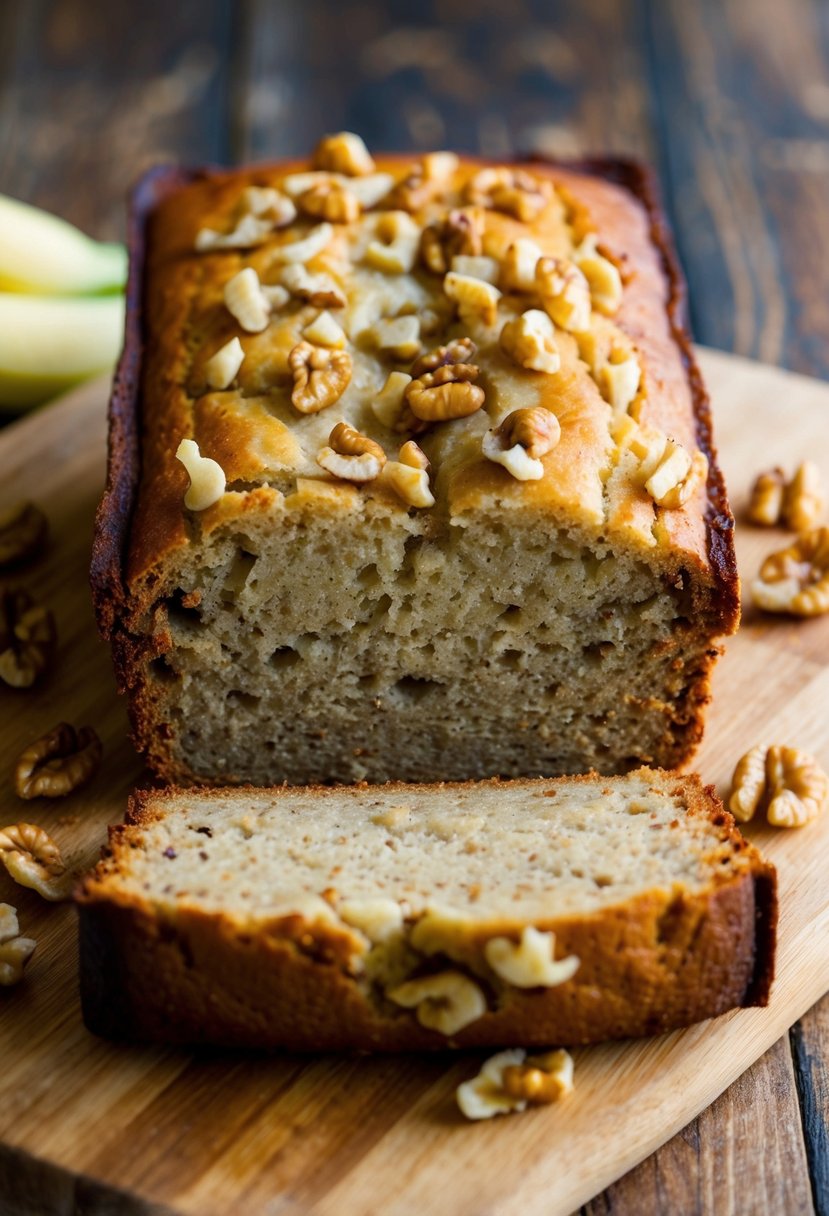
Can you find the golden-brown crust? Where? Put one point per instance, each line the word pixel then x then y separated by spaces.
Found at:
pixel 661 960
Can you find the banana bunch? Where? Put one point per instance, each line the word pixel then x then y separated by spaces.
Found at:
pixel 61 305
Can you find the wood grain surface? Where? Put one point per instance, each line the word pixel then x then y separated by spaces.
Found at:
pixel 220 1132
pixel 729 98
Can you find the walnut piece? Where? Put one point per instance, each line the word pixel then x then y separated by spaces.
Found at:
pixel 351 455
pixel 564 292
pixel 423 182
pixel 530 963
pixel 15 951
pixel 345 153
pixel 797 503
pixel 408 476
pixel 34 860
pixel 330 201
pixel 447 392
pixel 459 234
pixel 513 191
pixel 530 341
pixel 602 275
pixel 246 302
pixel 317 289
pixel 207 478
pixel 398 337
pixel 675 473
pixel 396 241
pixel 518 268
pixel 445 1002
pixel 325 331
pixel 306 247
pixel 766 498
pixel 388 403
pixel 785 781
pixel 796 579
pixel 520 441
pixel 261 210
pixel 27 639
pixel 58 763
pixel 321 376
pixel 619 379
pixel 23 532
pixel 476 300
pixel 510 1081
pixel 221 369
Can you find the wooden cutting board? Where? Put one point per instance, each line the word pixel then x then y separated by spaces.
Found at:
pixel 218 1133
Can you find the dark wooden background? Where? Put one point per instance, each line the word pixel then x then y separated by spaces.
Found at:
pixel 729 99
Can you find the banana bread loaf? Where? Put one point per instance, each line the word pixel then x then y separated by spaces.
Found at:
pixel 445 503
pixel 404 917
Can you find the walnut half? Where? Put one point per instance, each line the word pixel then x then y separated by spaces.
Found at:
pixel 34 860
pixel 321 376
pixel 58 763
pixel 27 639
pixel 351 455
pixel 796 579
pixel 23 532
pixel 787 782
pixel 15 951
pixel 520 441
pixel 510 1081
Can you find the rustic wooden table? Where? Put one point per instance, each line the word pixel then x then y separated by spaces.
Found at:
pixel 729 98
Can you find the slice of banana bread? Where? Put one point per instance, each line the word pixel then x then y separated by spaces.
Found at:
pixel 546 597
pixel 404 917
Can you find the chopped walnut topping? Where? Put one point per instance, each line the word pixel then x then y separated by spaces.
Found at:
pixel 518 266
pixel 520 441
pixel 329 201
pixel 23 532
pixel 58 763
pixel 15 951
pixel 670 473
pixel 388 403
pixel 325 331
pixel 619 379
pixel 207 477
pixel 221 369
pixel 796 579
pixel 408 476
pixel 447 392
pixel 530 963
pixel 423 181
pixel 34 860
pixel 261 211
pixel 602 275
pixel 513 191
pixel 446 1002
pixel 395 245
pixel 530 341
pixel 476 299
pixel 321 376
pixel 317 289
pixel 246 302
pixel 27 639
pixel 785 781
pixel 564 292
pixel 345 153
pixel 459 350
pixel 351 455
pixel 459 234
pixel 398 337
pixel 438 167
pixel 307 247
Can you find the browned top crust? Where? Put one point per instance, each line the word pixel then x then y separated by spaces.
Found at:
pixel 177 320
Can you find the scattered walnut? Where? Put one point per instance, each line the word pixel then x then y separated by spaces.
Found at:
pixel 520 441
pixel 518 268
pixel 398 337
pixel 787 782
pixel 221 369
pixel 602 275
pixel 530 341
pixel 513 191
pixel 565 293
pixel 445 1002
pixel 388 403
pixel 307 247
pixel 261 210
pixel 207 478
pixel 796 579
pixel 329 201
pixel 351 455
pixel 246 302
pixel 15 951
pixel 34 860
pixel 619 379
pixel 58 763
pixel 540 1079
pixel 477 300
pixel 408 476
pixel 447 392
pixel 766 500
pixel 321 376
pixel 510 1081
pixel 27 639
pixel 530 963
pixel 325 331
pixel 460 233
pixel 317 289
pixel 798 503
pixel 345 153
pixel 23 532
pixel 394 247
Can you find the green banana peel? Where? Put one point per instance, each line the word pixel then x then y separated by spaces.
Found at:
pixel 44 255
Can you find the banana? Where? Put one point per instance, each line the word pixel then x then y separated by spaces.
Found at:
pixel 47 344
pixel 40 253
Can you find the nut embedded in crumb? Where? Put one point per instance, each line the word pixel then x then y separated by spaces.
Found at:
pixel 321 376
pixel 388 403
pixel 398 337
pixel 620 378
pixel 345 153
pixel 564 292
pixel 330 201
pixel 445 1002
pixel 32 858
pixel 510 1081
pixel 207 478
pixel 518 268
pixel 246 302
pixel 408 476
pixel 476 300
pixel 520 441
pixel 530 341
pixel 675 473
pixel 459 234
pixel 15 951
pixel 530 963
pixel 221 369
pixel 602 275
pixel 27 639
pixel 351 455
pixel 796 579
pixel 59 762
pixel 23 532
pixel 396 241
pixel 786 782
pixel 325 331
pixel 260 212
